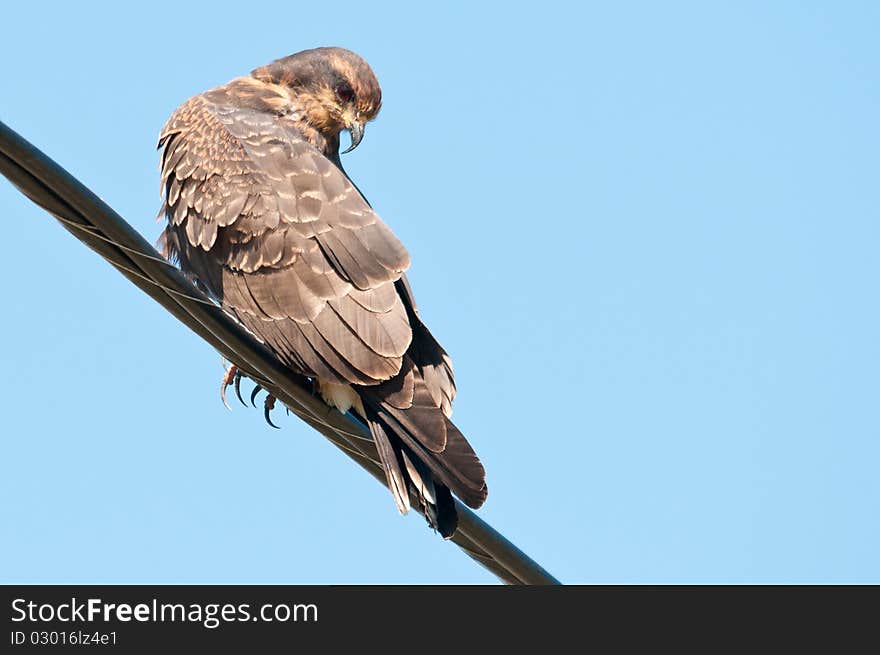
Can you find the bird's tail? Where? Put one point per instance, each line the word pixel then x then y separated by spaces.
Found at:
pixel 424 455
pixel 426 462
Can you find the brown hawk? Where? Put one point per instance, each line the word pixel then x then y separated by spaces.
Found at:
pixel 262 216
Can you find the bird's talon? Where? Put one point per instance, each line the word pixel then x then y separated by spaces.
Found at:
pixel 228 377
pixel 237 383
pixel 268 406
pixel 257 389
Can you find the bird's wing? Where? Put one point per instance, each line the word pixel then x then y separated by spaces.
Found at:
pixel 430 359
pixel 283 239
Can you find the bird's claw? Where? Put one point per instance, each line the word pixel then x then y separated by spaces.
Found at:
pixel 232 375
pixel 238 388
pixel 257 389
pixel 268 406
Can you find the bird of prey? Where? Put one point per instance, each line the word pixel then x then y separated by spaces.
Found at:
pixel 262 216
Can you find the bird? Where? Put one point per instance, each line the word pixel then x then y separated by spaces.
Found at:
pixel 262 216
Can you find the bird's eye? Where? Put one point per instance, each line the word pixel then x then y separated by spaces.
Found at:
pixel 344 92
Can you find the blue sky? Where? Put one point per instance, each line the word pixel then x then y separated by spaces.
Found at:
pixel 646 232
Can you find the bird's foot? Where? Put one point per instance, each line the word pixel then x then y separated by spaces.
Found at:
pixel 232 376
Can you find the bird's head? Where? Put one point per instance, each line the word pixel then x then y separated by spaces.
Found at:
pixel 334 88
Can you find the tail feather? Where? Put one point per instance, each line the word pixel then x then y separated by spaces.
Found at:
pixel 446 517
pixel 437 503
pixel 408 476
pixel 457 467
pixel 422 482
pixel 397 482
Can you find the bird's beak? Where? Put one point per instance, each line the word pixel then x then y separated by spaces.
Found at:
pixel 356 130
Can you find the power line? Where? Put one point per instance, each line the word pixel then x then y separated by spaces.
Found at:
pixel 94 223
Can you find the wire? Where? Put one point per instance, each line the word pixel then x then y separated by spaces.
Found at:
pixel 94 223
